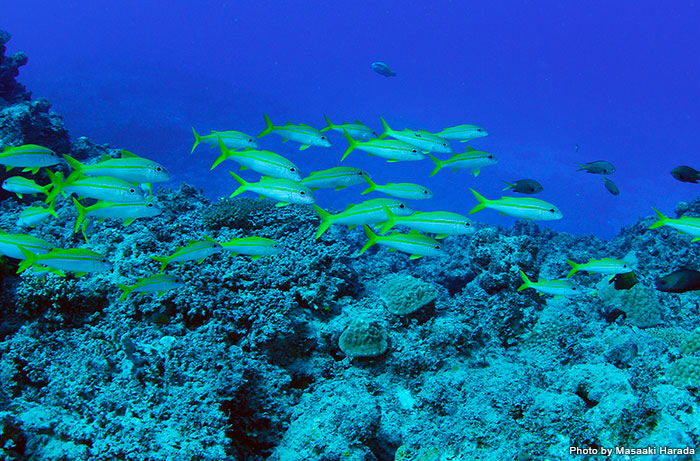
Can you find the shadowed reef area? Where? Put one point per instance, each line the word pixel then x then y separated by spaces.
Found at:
pixel 251 359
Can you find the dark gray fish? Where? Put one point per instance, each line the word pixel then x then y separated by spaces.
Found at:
pixel 611 186
pixel 597 167
pixel 685 173
pixel 679 281
pixel 524 186
pixel 624 281
pixel 382 69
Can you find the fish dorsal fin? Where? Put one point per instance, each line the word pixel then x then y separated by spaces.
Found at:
pixel 358 122
pixel 127 154
pixel 469 149
pixel 305 125
pixel 105 157
pixel 414 232
pixel 266 179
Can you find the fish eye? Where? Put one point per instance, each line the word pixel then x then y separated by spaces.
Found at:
pixel 401 206
pixel 292 169
pixel 425 191
pixel 302 192
pixel 437 247
pixel 53 154
pixel 479 129
pixel 104 260
pixel 552 210
pixel 414 150
pixel 323 137
pixel 150 205
pixel 574 288
pixel 490 156
pixel 444 144
pixel 159 169
pixel 132 190
pixel 250 140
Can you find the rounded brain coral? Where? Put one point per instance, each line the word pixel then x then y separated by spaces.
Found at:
pixel 364 339
pixel 404 294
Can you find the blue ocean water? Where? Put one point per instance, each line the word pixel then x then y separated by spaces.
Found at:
pixel 618 79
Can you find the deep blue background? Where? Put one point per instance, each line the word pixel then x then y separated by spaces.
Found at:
pixel 618 78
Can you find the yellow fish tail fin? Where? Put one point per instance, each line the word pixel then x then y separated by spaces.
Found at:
pixel 574 268
pixel 352 145
pixel 126 290
pixel 386 128
pixel 81 213
pixel 326 220
pixel 526 282
pixel 328 122
pixel 661 220
pixel 164 260
pixel 390 219
pixel 371 236
pixel 73 163
pixel 438 164
pixel 482 202
pixel 268 127
pixel 29 261
pixel 243 184
pixel 372 186
pixel 197 139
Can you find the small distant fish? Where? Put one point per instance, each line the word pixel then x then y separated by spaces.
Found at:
pixel 391 149
pixel 575 147
pixel 519 207
pixel 255 247
pixel 357 130
pixel 597 167
pixel 679 281
pixel 685 173
pixel 261 161
pixel 78 260
pixel 336 178
pixel 34 215
pixel 382 69
pixel 441 223
pixel 195 250
pixel 684 224
pixel 422 139
pixel 600 266
pixel 611 186
pixel 624 281
pixel 305 135
pixel 524 186
pixel 159 283
pixel 472 159
pixel 231 139
pixel 413 243
pixel 367 212
pixel 21 185
pixel 285 191
pixel 550 287
pixel 400 190
pixel 30 157
pixel 462 133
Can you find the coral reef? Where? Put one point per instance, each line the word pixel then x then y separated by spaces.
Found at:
pixel 317 353
pixel 11 91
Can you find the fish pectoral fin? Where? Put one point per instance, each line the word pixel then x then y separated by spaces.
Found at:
pixel 243 168
pixel 441 236
pixel 80 274
pixel 285 139
pixel 414 256
pixel 338 188
pixel 256 257
pixel 392 249
pixel 476 171
pixel 393 160
pixel 454 170
pixel 281 204
pixel 304 146
pixel 129 221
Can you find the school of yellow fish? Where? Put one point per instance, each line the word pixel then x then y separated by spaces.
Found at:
pixel 120 184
